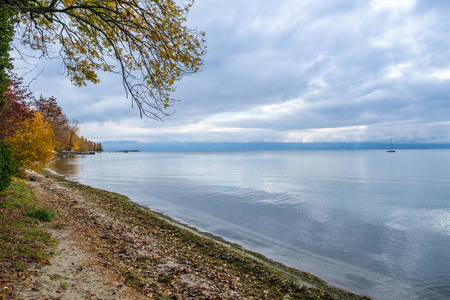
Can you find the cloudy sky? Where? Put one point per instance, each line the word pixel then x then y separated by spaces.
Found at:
pixel 291 71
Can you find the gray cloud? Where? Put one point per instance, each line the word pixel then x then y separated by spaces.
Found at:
pixel 292 71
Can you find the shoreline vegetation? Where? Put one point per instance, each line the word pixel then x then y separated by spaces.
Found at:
pixel 136 253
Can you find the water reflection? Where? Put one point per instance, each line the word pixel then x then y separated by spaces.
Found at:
pixel 67 165
pixel 374 224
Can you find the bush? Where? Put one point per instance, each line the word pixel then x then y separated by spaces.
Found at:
pixel 41 214
pixel 33 144
pixel 8 166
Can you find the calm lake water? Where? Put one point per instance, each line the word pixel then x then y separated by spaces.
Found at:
pixel 371 222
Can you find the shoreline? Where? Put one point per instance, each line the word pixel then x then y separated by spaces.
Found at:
pixel 107 246
pixel 214 245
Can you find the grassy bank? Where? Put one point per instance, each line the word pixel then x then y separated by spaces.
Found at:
pixel 23 243
pixel 164 260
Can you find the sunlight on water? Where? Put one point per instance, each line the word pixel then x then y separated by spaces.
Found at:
pixel 372 223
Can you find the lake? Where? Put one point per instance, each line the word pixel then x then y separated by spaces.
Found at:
pixel 372 222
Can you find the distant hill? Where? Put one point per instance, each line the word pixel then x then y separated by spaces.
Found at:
pixel 121 145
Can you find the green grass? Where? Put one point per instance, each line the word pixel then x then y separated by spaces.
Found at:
pixel 22 242
pixel 57 277
pixel 41 214
pixel 63 286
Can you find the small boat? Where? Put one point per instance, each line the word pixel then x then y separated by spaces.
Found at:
pixel 392 150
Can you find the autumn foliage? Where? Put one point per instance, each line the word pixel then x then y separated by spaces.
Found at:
pixel 146 41
pixel 33 130
pixel 14 108
pixel 33 143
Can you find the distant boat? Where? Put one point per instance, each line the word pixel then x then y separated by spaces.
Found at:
pixel 392 150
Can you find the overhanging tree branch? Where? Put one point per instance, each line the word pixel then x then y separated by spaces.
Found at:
pixel 145 39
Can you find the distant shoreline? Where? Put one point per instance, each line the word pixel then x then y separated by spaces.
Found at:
pixel 119 146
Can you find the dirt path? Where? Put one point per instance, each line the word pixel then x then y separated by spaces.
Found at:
pixel 74 272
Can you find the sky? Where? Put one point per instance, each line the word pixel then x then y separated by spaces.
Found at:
pixel 289 71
